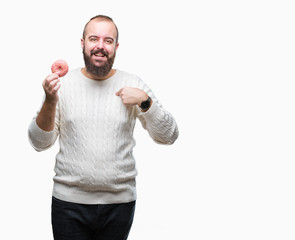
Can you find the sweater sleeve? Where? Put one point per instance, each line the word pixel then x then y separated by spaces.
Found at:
pixel 159 123
pixel 42 140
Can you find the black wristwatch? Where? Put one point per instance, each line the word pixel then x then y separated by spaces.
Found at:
pixel 146 104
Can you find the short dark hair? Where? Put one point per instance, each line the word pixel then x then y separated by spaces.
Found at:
pixel 103 18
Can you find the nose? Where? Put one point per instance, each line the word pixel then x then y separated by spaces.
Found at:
pixel 100 44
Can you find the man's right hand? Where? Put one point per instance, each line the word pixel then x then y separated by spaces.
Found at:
pixel 51 85
pixel 46 116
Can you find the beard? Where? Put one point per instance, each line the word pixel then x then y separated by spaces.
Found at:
pixel 98 71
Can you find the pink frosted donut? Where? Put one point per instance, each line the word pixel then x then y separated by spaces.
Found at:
pixel 60 67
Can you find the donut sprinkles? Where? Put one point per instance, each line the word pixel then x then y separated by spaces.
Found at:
pixel 60 67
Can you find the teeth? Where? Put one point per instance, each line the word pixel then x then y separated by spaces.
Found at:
pixel 99 54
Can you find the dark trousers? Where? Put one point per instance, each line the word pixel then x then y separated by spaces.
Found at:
pixel 72 221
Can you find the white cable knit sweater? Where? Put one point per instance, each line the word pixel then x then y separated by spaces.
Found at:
pixel 95 164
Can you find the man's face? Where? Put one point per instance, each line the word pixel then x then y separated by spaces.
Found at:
pixel 99 47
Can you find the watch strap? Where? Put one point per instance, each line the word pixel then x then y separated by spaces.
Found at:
pixel 146 104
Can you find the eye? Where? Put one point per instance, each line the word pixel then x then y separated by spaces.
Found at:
pixel 92 39
pixel 109 41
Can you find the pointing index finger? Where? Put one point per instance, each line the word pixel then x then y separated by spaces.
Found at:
pixel 119 92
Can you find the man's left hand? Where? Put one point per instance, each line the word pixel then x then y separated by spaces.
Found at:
pixel 132 96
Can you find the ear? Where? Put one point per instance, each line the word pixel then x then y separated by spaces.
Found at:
pixel 82 43
pixel 117 45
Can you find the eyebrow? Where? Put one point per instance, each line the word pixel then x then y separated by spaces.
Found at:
pixel 98 37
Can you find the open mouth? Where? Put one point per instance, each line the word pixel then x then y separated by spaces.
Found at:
pixel 99 54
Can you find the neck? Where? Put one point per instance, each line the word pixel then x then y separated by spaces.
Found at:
pixel 94 77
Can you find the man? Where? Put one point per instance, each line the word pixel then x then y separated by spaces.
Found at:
pixel 93 110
